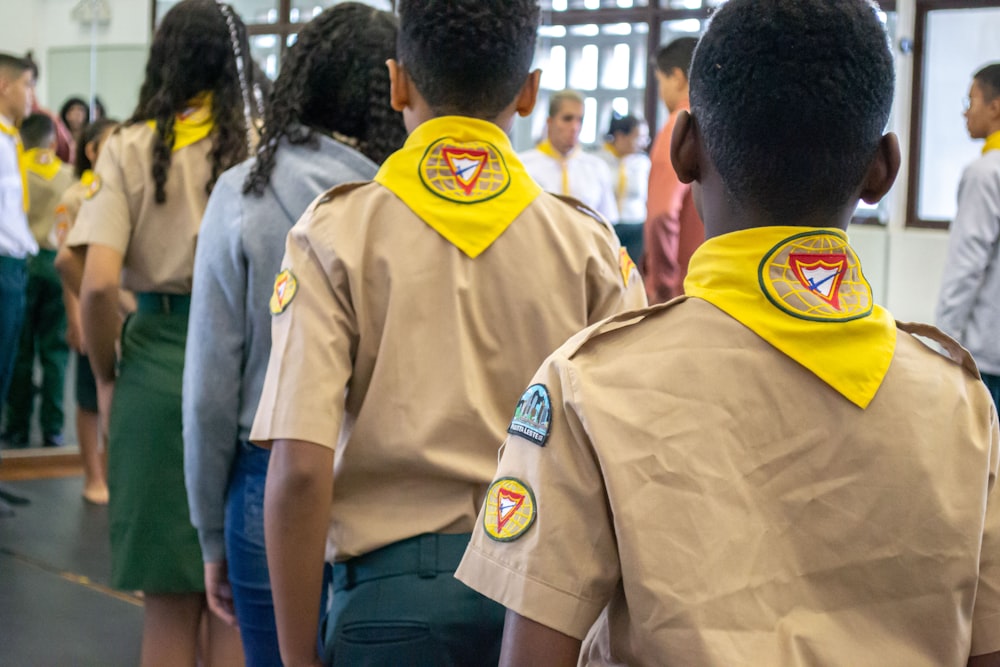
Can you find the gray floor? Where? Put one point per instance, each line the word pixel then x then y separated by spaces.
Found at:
pixel 55 605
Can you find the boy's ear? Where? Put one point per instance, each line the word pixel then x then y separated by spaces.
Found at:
pixel 882 170
pixel 399 85
pixel 685 148
pixel 529 93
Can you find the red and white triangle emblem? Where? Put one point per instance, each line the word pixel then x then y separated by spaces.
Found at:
pixel 820 274
pixel 466 165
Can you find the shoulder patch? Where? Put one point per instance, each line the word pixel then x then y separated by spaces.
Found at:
pixel 510 509
pixel 533 415
pixel 93 188
pixel 285 287
pixel 953 350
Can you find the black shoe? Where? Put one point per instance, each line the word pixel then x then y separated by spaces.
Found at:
pixel 15 439
pixel 53 440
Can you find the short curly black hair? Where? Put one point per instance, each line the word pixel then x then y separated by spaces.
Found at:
pixel 334 81
pixel 791 98
pixel 989 80
pixel 468 57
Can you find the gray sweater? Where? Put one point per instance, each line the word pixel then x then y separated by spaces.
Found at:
pixel 969 303
pixel 240 248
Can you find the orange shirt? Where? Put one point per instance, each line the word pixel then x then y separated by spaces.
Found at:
pixel 673 229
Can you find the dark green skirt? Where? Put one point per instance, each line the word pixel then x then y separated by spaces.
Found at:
pixel 154 548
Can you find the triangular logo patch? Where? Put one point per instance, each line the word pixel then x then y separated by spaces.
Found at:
pixel 508 503
pixel 466 165
pixel 821 274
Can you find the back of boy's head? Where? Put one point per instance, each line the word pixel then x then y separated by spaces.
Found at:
pixel 37 131
pixel 468 57
pixel 677 53
pixel 791 98
pixel 12 67
pixel 988 79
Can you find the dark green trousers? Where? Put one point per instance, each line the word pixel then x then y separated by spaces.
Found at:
pixel 401 605
pixel 43 336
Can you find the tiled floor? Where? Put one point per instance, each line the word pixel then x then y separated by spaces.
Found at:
pixel 55 605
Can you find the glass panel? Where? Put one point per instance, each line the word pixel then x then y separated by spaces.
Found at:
pixel 563 5
pixel 303 10
pixel 959 43
pixel 607 62
pixel 251 11
pixel 266 51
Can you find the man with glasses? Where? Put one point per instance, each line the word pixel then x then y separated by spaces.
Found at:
pixel 969 302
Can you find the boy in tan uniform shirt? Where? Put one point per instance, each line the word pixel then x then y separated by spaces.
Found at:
pixel 408 317
pixel 770 471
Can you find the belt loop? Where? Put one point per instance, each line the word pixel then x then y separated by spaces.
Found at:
pixel 165 303
pixel 428 566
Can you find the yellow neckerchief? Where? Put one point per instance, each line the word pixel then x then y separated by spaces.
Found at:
pixel 546 147
pixel 622 187
pixel 992 143
pixel 192 124
pixel 802 291
pixel 22 163
pixel 43 162
pixel 451 163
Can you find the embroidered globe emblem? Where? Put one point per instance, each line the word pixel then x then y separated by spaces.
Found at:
pixel 509 511
pixel 466 173
pixel 816 276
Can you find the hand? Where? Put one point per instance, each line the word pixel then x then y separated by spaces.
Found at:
pixel 105 392
pixel 219 592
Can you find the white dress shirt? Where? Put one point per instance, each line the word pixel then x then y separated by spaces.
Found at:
pixel 589 179
pixel 16 239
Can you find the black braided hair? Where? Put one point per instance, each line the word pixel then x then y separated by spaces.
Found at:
pixel 91 133
pixel 192 52
pixel 334 81
pixel 468 57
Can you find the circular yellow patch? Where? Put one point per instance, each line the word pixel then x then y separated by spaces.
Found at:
pixel 285 287
pixel 466 173
pixel 510 509
pixel 93 188
pixel 816 276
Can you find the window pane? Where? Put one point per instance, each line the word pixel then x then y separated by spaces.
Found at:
pixel 266 52
pixel 563 5
pixel 251 11
pixel 583 67
pixel 588 134
pixel 959 43
pixel 303 10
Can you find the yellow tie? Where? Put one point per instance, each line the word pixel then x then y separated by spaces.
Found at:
pixel 21 162
pixel 547 148
pixel 622 188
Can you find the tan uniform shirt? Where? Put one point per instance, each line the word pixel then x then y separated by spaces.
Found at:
pixel 432 348
pixel 44 195
pixel 157 240
pixel 708 501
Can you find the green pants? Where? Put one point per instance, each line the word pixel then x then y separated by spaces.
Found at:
pixel 43 336
pixel 402 605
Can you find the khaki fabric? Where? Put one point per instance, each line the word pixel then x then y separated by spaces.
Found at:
pixel 707 501
pixel 431 347
pixel 44 196
pixel 157 240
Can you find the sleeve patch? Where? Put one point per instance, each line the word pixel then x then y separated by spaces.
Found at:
pixel 510 509
pixel 533 415
pixel 285 287
pixel 93 188
pixel 626 264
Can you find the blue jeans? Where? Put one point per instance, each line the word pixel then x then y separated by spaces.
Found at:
pixel 13 287
pixel 247 558
pixel 993 384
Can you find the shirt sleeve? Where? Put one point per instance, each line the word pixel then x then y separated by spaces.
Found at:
pixel 313 343
pixel 973 237
pixel 615 285
pixel 104 218
pixel 986 614
pixel 213 366
pixel 563 569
